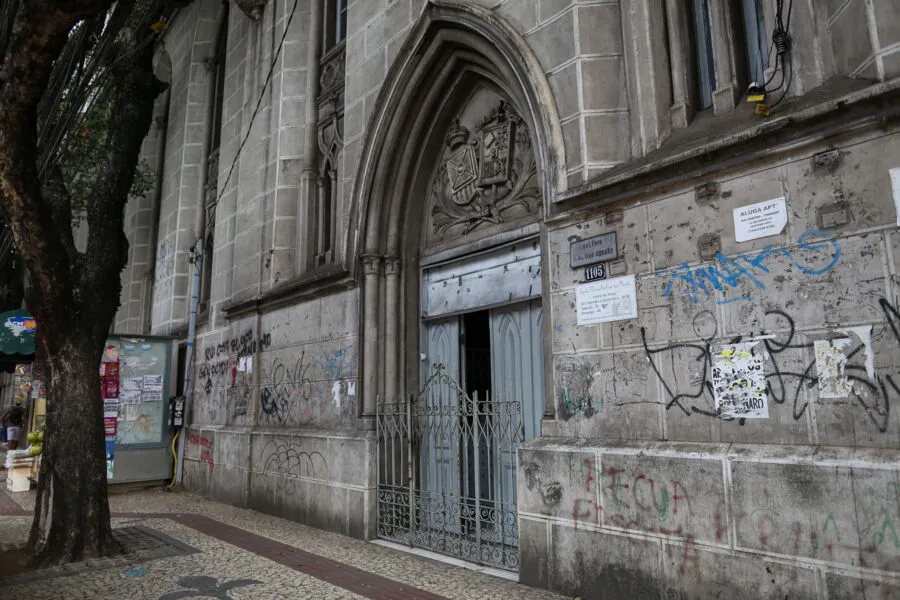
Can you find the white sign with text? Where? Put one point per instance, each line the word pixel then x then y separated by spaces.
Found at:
pixel 606 300
pixel 760 220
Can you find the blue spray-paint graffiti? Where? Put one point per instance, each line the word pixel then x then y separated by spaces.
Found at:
pixel 729 273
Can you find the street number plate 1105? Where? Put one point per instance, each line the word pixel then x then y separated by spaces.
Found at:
pixel 595 272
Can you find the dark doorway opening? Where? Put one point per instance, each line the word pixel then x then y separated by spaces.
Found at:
pixel 478 477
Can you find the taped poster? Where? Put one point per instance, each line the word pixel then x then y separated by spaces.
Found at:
pixel 830 364
pixel 152 390
pixel 739 382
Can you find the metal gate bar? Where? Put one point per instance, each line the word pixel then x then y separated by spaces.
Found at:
pixel 446 473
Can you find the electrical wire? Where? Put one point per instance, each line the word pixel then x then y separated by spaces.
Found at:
pixel 782 42
pixel 786 88
pixel 175 460
pixel 262 94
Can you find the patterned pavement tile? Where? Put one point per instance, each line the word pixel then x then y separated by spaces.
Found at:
pixel 246 554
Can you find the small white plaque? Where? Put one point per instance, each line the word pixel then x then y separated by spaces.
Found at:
pixel 606 300
pixel 760 220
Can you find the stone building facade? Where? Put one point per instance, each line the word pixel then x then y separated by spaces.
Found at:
pixel 395 202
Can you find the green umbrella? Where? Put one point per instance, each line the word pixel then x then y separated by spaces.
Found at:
pixel 17 329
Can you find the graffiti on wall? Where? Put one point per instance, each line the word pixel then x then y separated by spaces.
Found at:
pixel 296 392
pixel 658 501
pixel 743 377
pixel 243 345
pixel 785 380
pixel 817 253
pixel 205 447
pixel 285 457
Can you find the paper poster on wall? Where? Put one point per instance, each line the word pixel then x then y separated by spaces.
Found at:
pixel 111 354
pixel 130 412
pixel 130 396
pixel 110 388
pixel 110 408
pixel 830 364
pixel 760 220
pixel 606 300
pixel 739 382
pixel 132 390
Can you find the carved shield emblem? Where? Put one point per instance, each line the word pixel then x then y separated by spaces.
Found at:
pixel 462 175
pixel 496 153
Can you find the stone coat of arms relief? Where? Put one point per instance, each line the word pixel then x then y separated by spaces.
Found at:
pixel 485 177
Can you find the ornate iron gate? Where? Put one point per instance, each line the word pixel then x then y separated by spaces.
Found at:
pixel 447 473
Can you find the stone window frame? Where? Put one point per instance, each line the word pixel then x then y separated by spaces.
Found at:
pixel 729 50
pixel 216 65
pixel 330 137
pixel 334 30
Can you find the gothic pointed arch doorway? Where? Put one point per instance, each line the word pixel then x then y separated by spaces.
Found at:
pixel 463 150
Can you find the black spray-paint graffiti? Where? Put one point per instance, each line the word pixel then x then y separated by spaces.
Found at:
pixel 245 345
pixel 289 390
pixel 785 379
pixel 221 369
pixel 551 493
pixel 284 457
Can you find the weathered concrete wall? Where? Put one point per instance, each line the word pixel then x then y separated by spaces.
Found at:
pixel 661 493
pixel 706 521
pixel 326 480
pixel 274 417
pixel 293 367
pixel 637 487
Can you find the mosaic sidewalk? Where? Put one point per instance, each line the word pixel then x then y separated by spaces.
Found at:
pixel 189 547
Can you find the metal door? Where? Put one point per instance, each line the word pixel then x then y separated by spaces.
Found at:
pixel 517 366
pixel 437 439
pixel 457 495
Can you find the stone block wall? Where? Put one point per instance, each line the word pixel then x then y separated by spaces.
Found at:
pixel 274 417
pixel 296 367
pixel 325 480
pixel 640 486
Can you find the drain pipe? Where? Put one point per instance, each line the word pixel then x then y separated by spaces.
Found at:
pixel 189 358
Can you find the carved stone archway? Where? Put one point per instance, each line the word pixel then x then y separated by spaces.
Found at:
pixel 453 50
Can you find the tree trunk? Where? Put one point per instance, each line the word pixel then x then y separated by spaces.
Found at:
pixel 73 295
pixel 72 482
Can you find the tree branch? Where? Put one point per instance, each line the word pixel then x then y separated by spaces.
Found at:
pixel 59 203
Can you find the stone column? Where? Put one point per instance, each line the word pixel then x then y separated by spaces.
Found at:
pixel 680 60
pixel 391 321
pixel 371 274
pixel 721 25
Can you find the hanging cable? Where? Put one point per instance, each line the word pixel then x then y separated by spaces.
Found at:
pixel 259 102
pixel 781 43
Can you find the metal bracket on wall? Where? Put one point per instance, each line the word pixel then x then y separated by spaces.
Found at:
pixel 834 215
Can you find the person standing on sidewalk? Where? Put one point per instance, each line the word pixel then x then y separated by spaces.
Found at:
pixel 14 419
